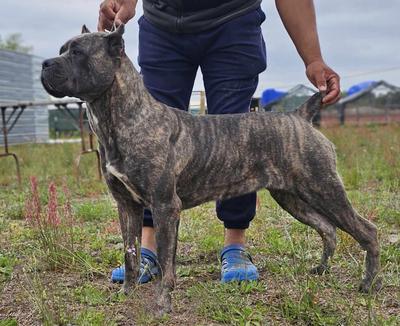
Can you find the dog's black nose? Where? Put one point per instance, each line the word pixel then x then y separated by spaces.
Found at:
pixel 47 63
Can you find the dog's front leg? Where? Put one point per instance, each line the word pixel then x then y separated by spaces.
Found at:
pixel 131 214
pixel 166 223
pixel 131 221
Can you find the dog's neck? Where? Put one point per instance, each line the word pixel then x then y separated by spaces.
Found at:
pixel 127 89
pixel 127 101
pixel 126 98
pixel 128 86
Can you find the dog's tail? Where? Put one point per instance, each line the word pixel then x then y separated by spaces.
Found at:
pixel 310 108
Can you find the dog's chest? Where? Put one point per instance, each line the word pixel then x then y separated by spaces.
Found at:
pixel 93 122
pixel 125 181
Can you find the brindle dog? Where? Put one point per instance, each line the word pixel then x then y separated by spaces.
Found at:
pixel 167 160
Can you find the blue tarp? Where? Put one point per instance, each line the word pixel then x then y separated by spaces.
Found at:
pixel 360 87
pixel 271 95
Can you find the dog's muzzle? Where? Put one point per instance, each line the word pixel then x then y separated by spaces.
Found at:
pixel 53 77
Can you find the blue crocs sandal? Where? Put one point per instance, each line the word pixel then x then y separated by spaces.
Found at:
pixel 148 268
pixel 237 265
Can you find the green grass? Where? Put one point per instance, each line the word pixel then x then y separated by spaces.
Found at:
pixel 96 210
pixel 78 291
pixel 8 322
pixel 7 263
pixel 229 303
pixel 90 295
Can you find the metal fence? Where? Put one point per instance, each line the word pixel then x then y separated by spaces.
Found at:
pixel 20 81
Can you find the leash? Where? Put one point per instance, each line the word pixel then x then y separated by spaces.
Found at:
pixel 113 28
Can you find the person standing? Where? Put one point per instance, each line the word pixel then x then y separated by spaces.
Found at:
pixel 223 38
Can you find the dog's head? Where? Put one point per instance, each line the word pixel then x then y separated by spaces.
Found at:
pixel 86 65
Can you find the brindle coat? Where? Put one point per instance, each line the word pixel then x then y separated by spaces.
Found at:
pixel 167 160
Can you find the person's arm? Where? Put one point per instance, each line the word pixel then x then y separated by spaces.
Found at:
pixel 115 11
pixel 298 17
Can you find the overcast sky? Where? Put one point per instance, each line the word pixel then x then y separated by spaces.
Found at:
pixel 359 38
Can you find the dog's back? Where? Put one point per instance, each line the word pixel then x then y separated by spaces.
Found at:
pixel 239 153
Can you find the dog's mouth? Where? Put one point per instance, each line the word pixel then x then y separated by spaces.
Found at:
pixel 49 82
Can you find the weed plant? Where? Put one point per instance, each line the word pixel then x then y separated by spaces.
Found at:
pixel 53 225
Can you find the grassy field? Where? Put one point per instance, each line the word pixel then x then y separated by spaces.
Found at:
pixel 54 270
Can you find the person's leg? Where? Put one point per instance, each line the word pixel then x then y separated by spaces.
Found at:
pixel 232 236
pixel 168 73
pixel 230 69
pixel 167 65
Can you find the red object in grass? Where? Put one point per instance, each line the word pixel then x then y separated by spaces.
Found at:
pixel 53 218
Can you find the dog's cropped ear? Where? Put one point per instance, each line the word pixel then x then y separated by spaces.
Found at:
pixel 85 30
pixel 116 42
pixel 310 108
pixel 120 30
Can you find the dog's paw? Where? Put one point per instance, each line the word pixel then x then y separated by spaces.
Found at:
pixel 127 288
pixel 319 270
pixel 368 285
pixel 164 304
pixel 162 312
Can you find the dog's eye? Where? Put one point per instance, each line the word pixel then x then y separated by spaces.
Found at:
pixel 76 52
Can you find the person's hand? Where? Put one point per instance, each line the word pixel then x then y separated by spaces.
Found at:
pixel 325 79
pixel 115 11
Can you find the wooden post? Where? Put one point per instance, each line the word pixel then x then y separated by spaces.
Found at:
pixel 202 103
pixel 386 114
pixel 358 115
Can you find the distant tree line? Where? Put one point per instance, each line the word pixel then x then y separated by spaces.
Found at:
pixel 14 42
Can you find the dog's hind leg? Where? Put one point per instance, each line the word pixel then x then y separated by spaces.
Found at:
pixel 331 201
pixel 307 215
